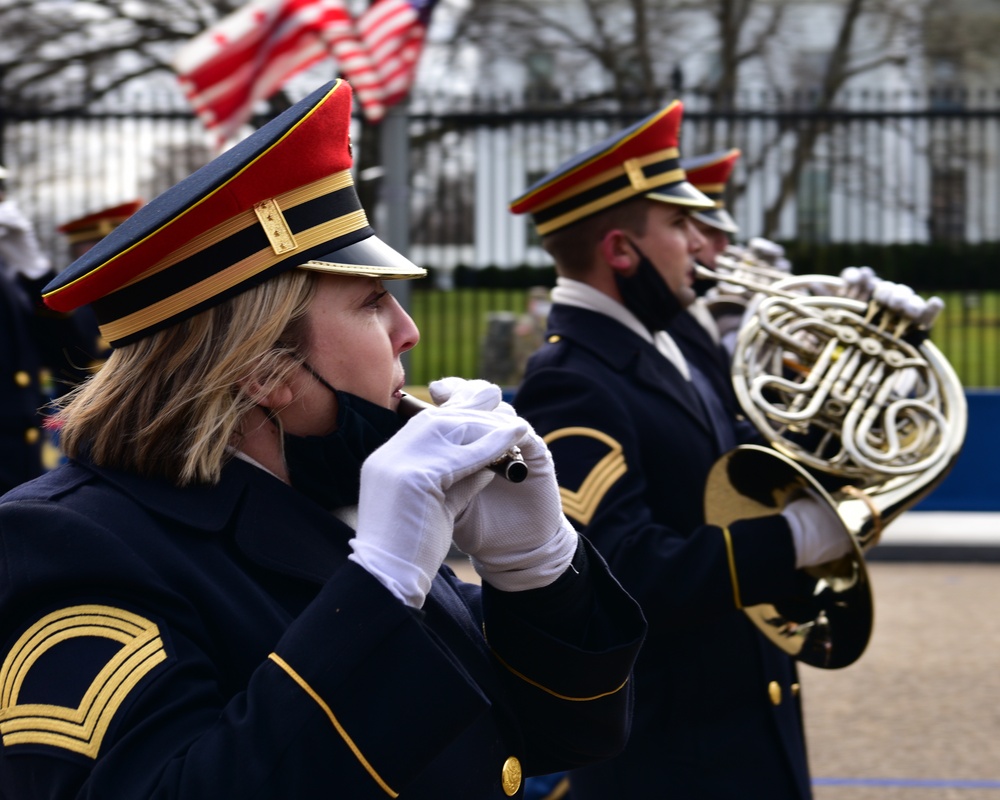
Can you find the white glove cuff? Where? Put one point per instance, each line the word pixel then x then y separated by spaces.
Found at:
pixel 408 583
pixel 521 571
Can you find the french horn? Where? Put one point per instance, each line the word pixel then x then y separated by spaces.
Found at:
pixel 858 406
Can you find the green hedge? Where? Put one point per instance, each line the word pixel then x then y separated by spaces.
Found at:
pixel 933 267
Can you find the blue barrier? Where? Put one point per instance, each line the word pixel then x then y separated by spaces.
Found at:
pixel 974 482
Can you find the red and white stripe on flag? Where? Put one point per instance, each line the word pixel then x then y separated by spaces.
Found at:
pixel 394 33
pixel 247 56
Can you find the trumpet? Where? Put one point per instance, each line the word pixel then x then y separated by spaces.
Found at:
pixel 509 465
pixel 858 406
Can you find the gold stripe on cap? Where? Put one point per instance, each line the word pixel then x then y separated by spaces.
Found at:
pixel 276 228
pixel 637 175
pixel 243 220
pixel 710 187
pixel 609 174
pixel 232 276
pixel 673 176
pixel 96 231
pixel 195 206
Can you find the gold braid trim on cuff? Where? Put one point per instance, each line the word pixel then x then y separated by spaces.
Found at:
pixel 547 690
pixel 336 724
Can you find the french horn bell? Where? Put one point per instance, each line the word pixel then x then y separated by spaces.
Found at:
pixel 857 406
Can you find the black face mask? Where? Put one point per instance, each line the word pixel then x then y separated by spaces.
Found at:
pixel 647 295
pixel 327 469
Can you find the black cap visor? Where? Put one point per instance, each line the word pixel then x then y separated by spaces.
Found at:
pixel 369 258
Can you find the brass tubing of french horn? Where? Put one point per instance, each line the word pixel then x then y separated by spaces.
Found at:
pixel 755 286
pixel 509 465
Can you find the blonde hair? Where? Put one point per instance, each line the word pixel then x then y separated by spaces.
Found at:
pixel 169 404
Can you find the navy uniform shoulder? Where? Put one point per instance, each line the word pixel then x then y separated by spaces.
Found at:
pixel 51 485
pixel 555 351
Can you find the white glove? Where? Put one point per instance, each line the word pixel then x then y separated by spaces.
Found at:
pixel 817 532
pixel 515 533
pixel 766 249
pixel 414 486
pixel 19 249
pixel 859 282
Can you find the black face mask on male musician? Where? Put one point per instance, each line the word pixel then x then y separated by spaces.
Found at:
pixel 327 469
pixel 647 295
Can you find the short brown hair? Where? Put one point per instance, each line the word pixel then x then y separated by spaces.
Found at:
pixel 573 247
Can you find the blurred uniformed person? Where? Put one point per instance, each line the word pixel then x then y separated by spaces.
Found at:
pixel 31 340
pixel 710 174
pixel 697 332
pixel 82 234
pixel 21 394
pixel 235 588
pixel 634 431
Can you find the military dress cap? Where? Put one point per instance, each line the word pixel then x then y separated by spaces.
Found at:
pixel 95 226
pixel 642 160
pixel 710 173
pixel 282 198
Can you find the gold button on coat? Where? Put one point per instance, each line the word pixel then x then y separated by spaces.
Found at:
pixel 31 435
pixel 796 689
pixel 774 690
pixel 22 379
pixel 510 776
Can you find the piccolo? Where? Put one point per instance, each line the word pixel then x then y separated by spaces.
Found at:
pixel 509 465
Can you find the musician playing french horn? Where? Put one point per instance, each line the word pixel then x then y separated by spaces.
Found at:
pixel 740 557
pixel 239 576
pixel 635 428
pixel 707 331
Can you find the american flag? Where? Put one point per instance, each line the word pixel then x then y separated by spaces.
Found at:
pixel 249 54
pixel 394 33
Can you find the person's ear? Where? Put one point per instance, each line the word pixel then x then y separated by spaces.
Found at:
pixel 617 250
pixel 274 397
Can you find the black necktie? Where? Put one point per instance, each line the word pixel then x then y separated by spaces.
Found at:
pixel 722 424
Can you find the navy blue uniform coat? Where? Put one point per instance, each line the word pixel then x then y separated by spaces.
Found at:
pixel 215 642
pixel 632 452
pixel 31 338
pixel 20 392
pixel 711 358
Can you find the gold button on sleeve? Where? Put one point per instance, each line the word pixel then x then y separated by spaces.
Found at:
pixel 510 776
pixel 22 379
pixel 774 690
pixel 555 337
pixel 796 689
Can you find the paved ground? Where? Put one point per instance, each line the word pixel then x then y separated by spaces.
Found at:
pixel 918 716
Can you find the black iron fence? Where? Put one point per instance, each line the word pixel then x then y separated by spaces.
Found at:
pixel 907 182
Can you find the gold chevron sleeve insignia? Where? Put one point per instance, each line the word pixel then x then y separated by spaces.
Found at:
pixel 79 729
pixel 582 503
